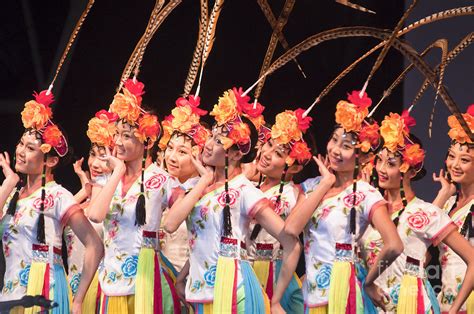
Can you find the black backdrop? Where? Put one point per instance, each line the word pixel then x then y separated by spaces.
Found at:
pixel 88 81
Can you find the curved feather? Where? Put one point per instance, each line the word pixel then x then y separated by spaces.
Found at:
pixel 389 42
pixel 267 11
pixel 279 25
pixel 196 61
pixel 210 37
pixel 469 10
pixel 72 38
pixel 361 31
pixel 147 34
pixel 463 44
pixel 354 6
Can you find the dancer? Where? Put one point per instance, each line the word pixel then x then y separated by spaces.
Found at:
pixel 35 215
pixel 130 206
pixel 281 156
pixel 332 226
pixel 101 133
pixel 219 209
pixel 456 197
pixel 182 131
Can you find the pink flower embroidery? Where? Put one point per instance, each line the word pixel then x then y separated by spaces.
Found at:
pixel 349 199
pixel 155 182
pixel 204 211
pixel 418 220
pixel 48 202
pixel 281 206
pixel 233 195
pixel 325 212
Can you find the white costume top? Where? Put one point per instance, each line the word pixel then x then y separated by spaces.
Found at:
pixel 266 247
pixel 452 266
pixel 205 225
pixel 420 225
pixel 123 239
pixel 75 254
pixel 175 245
pixel 19 235
pixel 330 227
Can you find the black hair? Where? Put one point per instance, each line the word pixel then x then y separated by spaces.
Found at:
pixel 249 157
pixel 258 227
pixel 140 210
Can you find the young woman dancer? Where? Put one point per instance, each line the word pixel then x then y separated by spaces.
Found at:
pixel 456 197
pixel 419 224
pixel 281 156
pixel 332 226
pixel 101 133
pixel 130 205
pixel 218 210
pixel 34 216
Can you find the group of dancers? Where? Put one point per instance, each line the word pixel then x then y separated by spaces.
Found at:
pixel 176 216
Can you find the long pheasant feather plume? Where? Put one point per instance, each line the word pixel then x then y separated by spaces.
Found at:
pixel 387 45
pixel 424 21
pixel 210 37
pixel 361 31
pixel 440 43
pixel 463 44
pixel 278 28
pixel 132 61
pixel 354 6
pixel 196 61
pixel 71 40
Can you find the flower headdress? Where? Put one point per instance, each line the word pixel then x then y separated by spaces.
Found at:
pixel 351 115
pixel 127 106
pixel 395 131
pixel 457 133
pixel 101 128
pixel 37 116
pixel 288 130
pixel 228 112
pixel 184 119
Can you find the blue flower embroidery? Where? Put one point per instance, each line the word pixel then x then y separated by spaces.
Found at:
pixel 112 276
pixel 74 283
pixel 323 277
pixel 23 276
pixel 210 276
pixel 394 294
pixel 129 267
pixel 197 285
pixel 8 287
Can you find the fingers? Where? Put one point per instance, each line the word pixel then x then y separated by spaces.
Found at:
pixel 7 158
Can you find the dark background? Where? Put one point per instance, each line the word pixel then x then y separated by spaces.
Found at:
pixel 33 35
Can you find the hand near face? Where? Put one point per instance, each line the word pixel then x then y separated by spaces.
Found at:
pixel 112 161
pixel 9 174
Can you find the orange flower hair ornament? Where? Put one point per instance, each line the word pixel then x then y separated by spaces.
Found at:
pixel 228 112
pixel 184 119
pixel 351 114
pixel 101 128
pixel 37 116
pixel 395 131
pixel 456 132
pixel 127 106
pixel 288 130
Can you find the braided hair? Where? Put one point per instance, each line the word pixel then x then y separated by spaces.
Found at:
pixel 396 220
pixel 40 233
pixel 354 190
pixel 258 227
pixel 140 211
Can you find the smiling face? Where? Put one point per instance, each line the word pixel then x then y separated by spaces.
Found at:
pixel 97 167
pixel 213 153
pixel 128 146
pixel 388 170
pixel 29 157
pixel 272 160
pixel 460 164
pixel 178 161
pixel 341 151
